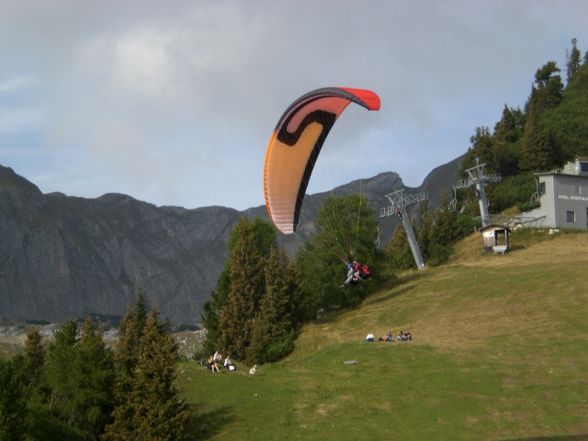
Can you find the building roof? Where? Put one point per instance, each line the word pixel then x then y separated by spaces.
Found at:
pixel 494 227
pixel 577 168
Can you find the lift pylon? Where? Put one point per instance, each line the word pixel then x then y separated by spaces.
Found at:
pixel 477 177
pixel 398 204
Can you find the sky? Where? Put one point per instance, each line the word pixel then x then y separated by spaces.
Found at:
pixel 173 102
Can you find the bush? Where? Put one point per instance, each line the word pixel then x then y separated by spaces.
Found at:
pixel 277 350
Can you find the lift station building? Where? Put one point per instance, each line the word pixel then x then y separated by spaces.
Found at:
pixel 563 197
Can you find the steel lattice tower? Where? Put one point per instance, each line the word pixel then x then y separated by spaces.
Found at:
pixel 398 205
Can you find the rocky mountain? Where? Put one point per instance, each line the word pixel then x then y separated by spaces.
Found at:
pixel 63 257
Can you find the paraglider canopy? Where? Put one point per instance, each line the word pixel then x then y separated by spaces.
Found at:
pixel 295 144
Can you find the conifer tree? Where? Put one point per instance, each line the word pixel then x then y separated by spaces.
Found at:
pixel 159 414
pixel 509 128
pixel 570 118
pixel 125 361
pixel 245 289
pixel 425 223
pixel 542 150
pixel 573 61
pixel 63 373
pixel 218 313
pixel 540 147
pixel 398 250
pixel 274 331
pixel 33 358
pixel 443 233
pixel 506 147
pixel 482 143
pixel 79 378
pixel 95 395
pixel 211 310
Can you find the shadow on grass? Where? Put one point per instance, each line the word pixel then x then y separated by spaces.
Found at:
pixel 553 438
pixel 391 294
pixel 517 247
pixel 205 425
pixel 393 290
pixel 411 277
pixel 404 284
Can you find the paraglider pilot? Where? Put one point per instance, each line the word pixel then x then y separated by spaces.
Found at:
pixel 356 272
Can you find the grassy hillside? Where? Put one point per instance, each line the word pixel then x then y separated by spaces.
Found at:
pixel 500 352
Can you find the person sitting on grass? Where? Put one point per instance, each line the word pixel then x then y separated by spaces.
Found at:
pixel 213 363
pixel 388 337
pixel 404 336
pixel 228 364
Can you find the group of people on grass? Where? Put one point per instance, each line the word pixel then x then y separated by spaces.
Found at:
pixel 214 362
pixel 402 336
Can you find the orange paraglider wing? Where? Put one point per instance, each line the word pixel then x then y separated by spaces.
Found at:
pixel 295 144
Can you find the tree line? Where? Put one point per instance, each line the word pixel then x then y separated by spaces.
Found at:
pixel 76 388
pixel 551 129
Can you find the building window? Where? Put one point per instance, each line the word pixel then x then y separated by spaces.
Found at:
pixel 570 216
pixel 541 188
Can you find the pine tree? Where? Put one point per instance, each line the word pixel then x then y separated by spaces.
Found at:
pixel 211 310
pixel 570 118
pixel 79 378
pixel 540 147
pixel 63 373
pixel 274 331
pixel 222 311
pixel 94 396
pixel 33 358
pixel 126 355
pixel 245 273
pixel 398 250
pixel 509 128
pixel 573 61
pixel 443 233
pixel 159 414
pixel 482 144
pixel 425 223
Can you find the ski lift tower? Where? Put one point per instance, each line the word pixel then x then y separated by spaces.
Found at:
pixel 477 177
pixel 398 205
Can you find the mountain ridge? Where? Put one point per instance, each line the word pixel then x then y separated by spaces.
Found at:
pixel 65 256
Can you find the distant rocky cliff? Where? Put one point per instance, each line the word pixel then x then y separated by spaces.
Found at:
pixel 63 257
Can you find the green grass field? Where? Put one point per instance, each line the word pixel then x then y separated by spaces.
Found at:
pixel 500 352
